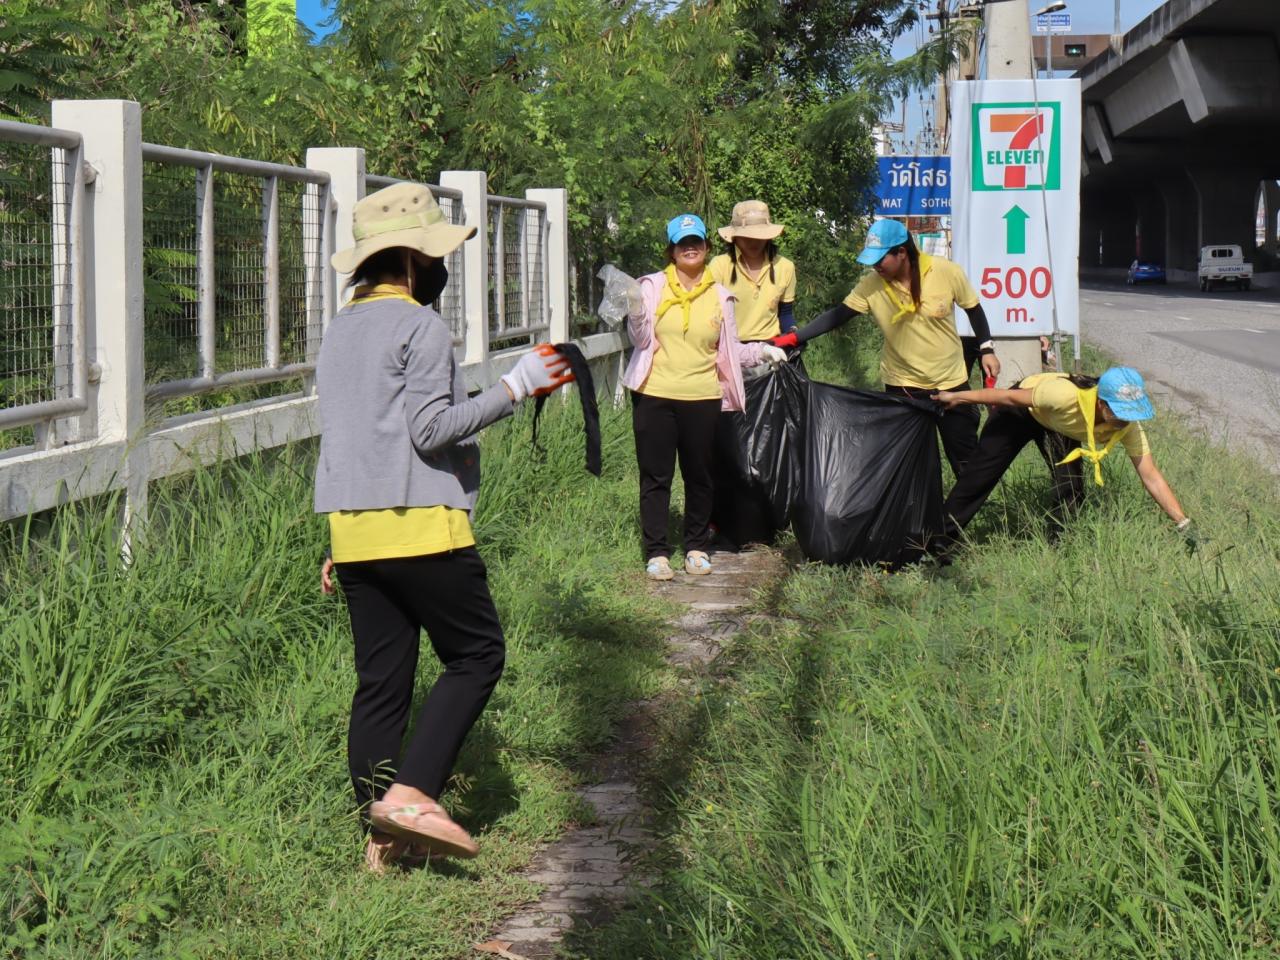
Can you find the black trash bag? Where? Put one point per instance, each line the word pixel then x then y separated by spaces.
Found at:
pixel 773 436
pixel 872 480
pixel 757 457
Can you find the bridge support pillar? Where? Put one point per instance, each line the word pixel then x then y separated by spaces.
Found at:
pixel 1181 225
pixel 1227 206
pixel 1270 191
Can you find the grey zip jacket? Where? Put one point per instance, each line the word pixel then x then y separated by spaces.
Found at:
pixel 397 427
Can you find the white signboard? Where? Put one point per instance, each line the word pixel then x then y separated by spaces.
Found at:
pixel 1015 201
pixel 1053 23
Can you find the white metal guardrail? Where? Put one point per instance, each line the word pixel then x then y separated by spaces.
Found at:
pixel 162 308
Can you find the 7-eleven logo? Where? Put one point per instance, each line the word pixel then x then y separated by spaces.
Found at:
pixel 1016 146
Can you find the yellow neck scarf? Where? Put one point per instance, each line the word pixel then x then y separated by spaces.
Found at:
pixel 677 294
pixel 1089 410
pixel 380 291
pixel 908 309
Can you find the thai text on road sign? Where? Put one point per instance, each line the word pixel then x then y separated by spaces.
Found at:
pixel 1015 155
pixel 1053 23
pixel 914 186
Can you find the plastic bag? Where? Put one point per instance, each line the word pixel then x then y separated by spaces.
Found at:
pixel 871 488
pixel 619 292
pixel 757 456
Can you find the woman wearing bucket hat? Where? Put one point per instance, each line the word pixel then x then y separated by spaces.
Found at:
pixel 764 288
pixel 1072 419
pixel 397 475
pixel 685 369
pixel 912 297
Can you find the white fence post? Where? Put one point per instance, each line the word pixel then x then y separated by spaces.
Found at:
pixel 474 187
pixel 345 166
pixel 112 132
pixel 555 259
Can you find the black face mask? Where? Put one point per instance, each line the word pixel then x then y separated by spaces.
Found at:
pixel 428 283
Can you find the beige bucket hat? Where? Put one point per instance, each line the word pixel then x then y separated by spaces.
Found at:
pixel 401 215
pixel 750 219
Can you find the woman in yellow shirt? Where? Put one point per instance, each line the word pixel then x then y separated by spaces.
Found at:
pixel 685 368
pixel 763 285
pixel 1071 419
pixel 912 297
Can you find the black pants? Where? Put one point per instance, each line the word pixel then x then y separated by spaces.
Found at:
pixel 958 427
pixel 1006 433
pixel 390 602
pixel 664 429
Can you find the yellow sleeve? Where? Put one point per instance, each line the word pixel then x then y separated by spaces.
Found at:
pixel 857 300
pixel 1134 441
pixel 1055 395
pixel 720 269
pixel 961 289
pixel 789 282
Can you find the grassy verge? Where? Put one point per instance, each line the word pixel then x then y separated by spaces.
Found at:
pixel 173 736
pixel 1063 750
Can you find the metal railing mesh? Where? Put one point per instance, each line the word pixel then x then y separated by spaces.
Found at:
pixel 239 274
pixel 517 264
pixel 170 265
pixel 301 272
pixel 35 275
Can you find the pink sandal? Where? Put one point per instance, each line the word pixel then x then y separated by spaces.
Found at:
pixel 425 824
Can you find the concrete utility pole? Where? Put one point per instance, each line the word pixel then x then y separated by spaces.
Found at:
pixel 1008 28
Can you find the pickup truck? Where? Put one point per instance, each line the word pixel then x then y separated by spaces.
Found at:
pixel 1224 263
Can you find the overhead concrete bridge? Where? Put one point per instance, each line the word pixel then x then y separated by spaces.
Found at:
pixel 1182 136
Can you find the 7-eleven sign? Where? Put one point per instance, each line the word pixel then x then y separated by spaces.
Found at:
pixel 1015 227
pixel 1016 146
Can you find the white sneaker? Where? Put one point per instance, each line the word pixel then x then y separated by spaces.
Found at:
pixel 697 563
pixel 659 568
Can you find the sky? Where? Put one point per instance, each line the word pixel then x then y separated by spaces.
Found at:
pixel 1087 16
pixel 313 12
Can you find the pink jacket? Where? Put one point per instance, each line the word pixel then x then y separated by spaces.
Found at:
pixel 731 355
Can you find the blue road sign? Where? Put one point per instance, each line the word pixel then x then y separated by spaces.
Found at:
pixel 914 186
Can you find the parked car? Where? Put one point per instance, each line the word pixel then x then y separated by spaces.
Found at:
pixel 1224 263
pixel 1143 271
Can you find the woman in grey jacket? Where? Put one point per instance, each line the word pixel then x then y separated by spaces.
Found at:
pixel 398 474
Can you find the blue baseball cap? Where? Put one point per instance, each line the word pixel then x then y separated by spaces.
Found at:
pixel 1125 393
pixel 883 236
pixel 685 225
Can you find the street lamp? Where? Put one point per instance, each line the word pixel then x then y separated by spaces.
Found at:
pixel 1054 7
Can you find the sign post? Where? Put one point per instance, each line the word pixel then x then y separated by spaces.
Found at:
pixel 1015 154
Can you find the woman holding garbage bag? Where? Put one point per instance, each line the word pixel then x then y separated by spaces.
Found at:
pixel 764 288
pixel 912 296
pixel 1059 412
pixel 398 474
pixel 685 369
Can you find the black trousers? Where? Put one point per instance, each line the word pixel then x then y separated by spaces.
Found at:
pixel 958 427
pixel 665 429
pixel 1006 433
pixel 390 602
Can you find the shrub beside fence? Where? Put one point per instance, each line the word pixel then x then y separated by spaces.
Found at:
pixel 161 308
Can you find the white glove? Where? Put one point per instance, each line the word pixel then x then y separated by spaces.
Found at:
pixel 771 354
pixel 635 299
pixel 541 371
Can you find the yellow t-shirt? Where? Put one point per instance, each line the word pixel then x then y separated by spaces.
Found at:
pixel 1055 405
pixel 756 312
pixel 357 535
pixel 921 347
pixel 684 363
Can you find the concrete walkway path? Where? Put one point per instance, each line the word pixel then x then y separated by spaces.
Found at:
pixel 590 872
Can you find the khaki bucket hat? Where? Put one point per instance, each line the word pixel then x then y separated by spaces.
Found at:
pixel 750 219
pixel 401 215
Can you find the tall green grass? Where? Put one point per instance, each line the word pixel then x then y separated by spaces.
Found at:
pixel 1044 750
pixel 173 734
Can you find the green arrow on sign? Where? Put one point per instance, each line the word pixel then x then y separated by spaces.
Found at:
pixel 1015 236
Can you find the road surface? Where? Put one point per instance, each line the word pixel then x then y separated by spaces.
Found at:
pixel 1214 357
